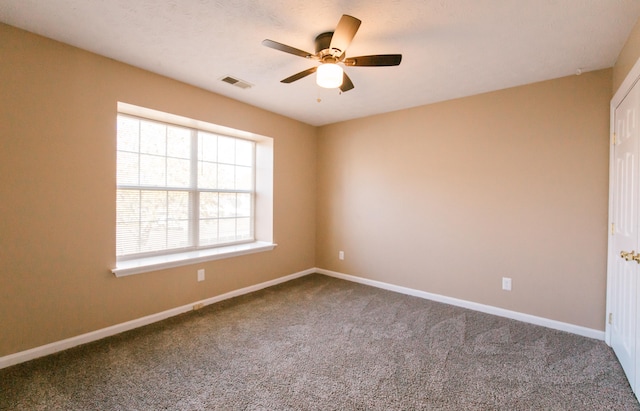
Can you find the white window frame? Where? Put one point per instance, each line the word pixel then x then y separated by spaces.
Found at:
pixel 263 201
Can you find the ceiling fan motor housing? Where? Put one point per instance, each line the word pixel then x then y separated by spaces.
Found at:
pixel 323 44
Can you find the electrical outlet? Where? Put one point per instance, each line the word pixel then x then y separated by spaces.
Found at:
pixel 506 283
pixel 341 255
pixel 201 274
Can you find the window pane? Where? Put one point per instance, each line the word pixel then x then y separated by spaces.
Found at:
pixel 128 134
pixel 153 206
pixel 153 171
pixel 153 218
pixel 227 229
pixel 153 138
pixel 178 172
pixel 127 238
pixel 227 204
pixel 207 175
pixel 127 206
pixel 243 228
pixel 226 150
pixel 179 206
pixel 208 232
pixel 244 178
pixel 178 235
pixel 178 142
pixel 208 146
pixel 244 205
pixel 128 168
pixel 127 221
pixel 226 177
pixel 244 153
pixel 153 236
pixel 208 205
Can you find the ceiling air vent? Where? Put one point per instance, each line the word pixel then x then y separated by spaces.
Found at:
pixel 236 82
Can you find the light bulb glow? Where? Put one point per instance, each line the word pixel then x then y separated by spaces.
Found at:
pixel 329 75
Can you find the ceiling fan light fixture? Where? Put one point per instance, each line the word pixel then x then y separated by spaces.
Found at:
pixel 329 75
pixel 331 48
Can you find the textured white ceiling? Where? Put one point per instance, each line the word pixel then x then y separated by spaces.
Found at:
pixel 450 48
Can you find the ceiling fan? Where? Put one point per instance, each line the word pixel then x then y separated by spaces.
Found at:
pixel 331 48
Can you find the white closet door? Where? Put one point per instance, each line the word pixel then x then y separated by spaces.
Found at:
pixel 623 280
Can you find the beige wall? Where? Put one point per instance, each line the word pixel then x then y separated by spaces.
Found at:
pixel 627 57
pixel 445 198
pixel 57 191
pixel 450 197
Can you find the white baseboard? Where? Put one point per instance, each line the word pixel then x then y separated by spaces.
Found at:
pixel 501 312
pixel 57 346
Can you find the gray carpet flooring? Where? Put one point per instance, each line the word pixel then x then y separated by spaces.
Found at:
pixel 319 343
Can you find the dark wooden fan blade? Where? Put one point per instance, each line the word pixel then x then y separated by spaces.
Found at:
pixel 374 61
pixel 345 31
pixel 287 49
pixel 346 83
pixel 300 75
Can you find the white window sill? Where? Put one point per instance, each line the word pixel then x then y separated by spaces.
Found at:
pixel 143 265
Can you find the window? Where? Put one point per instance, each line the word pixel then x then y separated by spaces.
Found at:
pixel 182 189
